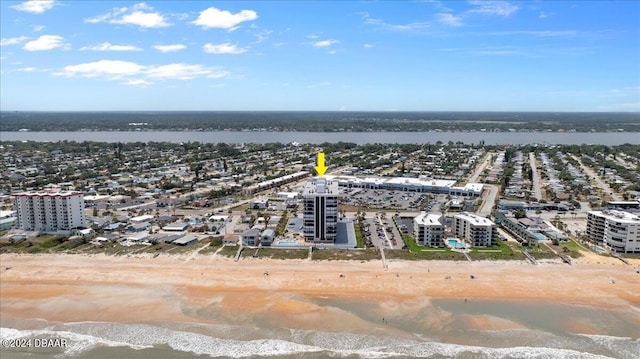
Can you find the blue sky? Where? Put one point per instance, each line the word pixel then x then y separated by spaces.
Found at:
pixel 336 55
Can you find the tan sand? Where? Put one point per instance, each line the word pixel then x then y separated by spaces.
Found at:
pixel 212 289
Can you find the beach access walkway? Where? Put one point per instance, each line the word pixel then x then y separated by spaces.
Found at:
pixel 385 265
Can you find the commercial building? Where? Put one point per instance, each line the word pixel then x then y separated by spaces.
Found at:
pixel 476 230
pixel 428 230
pixel 410 184
pixel 276 182
pixel 49 211
pixel 320 210
pixel 616 230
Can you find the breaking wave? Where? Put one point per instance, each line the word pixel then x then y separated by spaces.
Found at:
pixel 214 341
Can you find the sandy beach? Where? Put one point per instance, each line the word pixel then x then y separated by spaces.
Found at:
pixel 214 289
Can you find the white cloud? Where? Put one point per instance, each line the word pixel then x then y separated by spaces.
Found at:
pixel 184 72
pixel 413 26
pixel 324 43
pixel 106 46
pixel 261 35
pixel 139 75
pixel 449 19
pixel 537 33
pixel 139 83
pixel 46 42
pixel 140 15
pixel 543 15
pixel 368 46
pixel 143 19
pixel 169 48
pixel 625 91
pixel 37 28
pixel 12 40
pixel 487 7
pixel 35 6
pixel 225 48
pixel 312 36
pixel 627 106
pixel 111 68
pixel 27 69
pixel 222 19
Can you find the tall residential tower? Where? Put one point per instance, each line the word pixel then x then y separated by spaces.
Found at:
pixel 320 210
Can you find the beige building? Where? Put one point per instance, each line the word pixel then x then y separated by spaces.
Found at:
pixel 428 230
pixel 49 211
pixel 475 230
pixel 616 230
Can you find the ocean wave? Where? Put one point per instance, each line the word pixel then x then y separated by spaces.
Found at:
pixel 76 343
pixel 626 347
pixel 83 337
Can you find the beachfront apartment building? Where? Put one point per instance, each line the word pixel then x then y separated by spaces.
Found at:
pixel 475 230
pixel 49 211
pixel 428 230
pixel 320 219
pixel 617 230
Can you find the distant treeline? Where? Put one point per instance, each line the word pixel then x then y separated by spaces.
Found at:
pixel 318 121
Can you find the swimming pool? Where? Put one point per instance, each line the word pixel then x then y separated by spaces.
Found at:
pixel 454 243
pixel 598 248
pixel 287 243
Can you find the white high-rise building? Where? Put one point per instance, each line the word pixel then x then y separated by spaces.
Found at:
pixel 428 230
pixel 49 211
pixel 616 230
pixel 476 230
pixel 320 210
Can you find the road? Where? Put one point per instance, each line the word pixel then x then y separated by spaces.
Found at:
pixel 602 184
pixel 537 190
pixel 489 200
pixel 480 168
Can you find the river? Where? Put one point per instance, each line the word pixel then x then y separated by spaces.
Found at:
pixel 489 138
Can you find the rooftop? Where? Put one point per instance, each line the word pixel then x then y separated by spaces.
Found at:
pixel 474 219
pixel 320 185
pixel 428 219
pixel 618 216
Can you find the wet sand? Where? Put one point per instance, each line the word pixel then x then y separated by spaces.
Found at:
pixel 215 290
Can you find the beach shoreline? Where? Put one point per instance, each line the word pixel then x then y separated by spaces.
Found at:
pixel 146 300
pixel 35 280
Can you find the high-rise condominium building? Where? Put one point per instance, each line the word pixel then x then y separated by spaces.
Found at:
pixel 49 211
pixel 320 210
pixel 616 230
pixel 428 230
pixel 478 231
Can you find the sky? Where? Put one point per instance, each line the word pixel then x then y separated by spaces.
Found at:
pixel 320 56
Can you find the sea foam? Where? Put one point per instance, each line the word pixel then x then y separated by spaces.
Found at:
pixel 83 337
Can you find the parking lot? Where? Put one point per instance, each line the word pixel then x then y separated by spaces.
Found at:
pixel 387 199
pixel 380 231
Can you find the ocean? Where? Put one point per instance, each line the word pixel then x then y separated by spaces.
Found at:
pixel 433 329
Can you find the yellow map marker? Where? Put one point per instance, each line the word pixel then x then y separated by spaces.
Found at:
pixel 321 168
